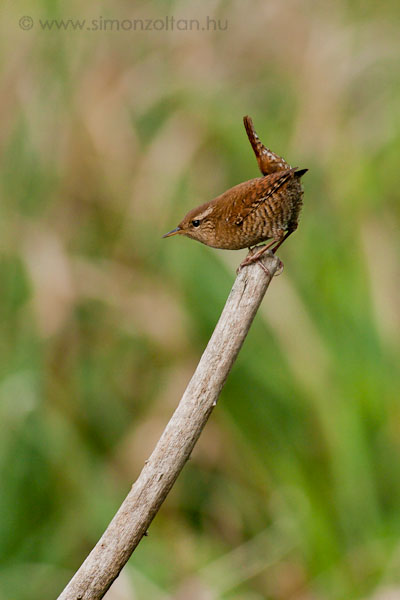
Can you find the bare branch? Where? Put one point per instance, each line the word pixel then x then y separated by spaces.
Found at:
pixel 130 523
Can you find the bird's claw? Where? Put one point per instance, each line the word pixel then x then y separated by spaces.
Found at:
pixel 280 268
pixel 252 258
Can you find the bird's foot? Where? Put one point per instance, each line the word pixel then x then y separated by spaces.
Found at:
pixel 256 257
pixel 253 257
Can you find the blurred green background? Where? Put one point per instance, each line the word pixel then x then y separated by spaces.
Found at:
pixel 107 138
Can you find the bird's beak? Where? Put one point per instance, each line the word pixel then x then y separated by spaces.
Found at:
pixel 173 232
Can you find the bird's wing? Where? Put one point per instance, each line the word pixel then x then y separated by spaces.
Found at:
pixel 251 198
pixel 268 161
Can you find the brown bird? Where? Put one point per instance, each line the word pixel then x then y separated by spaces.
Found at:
pixel 265 208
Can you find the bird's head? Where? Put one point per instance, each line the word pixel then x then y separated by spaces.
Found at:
pixel 198 224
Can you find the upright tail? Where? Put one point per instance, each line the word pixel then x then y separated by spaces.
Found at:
pixel 268 161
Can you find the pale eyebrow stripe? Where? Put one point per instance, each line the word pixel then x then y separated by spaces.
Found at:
pixel 205 213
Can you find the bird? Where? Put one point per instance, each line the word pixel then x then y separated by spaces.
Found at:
pixel 262 209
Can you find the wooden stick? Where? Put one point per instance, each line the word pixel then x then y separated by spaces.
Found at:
pixel 173 449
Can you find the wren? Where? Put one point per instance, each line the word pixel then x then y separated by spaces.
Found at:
pixel 261 209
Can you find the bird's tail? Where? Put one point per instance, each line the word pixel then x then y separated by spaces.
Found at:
pixel 268 161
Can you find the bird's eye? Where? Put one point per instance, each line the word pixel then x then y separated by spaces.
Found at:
pixel 196 223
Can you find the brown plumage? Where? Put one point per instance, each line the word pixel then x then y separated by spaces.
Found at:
pixel 252 212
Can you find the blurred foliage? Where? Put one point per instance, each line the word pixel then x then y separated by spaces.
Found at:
pixel 107 139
